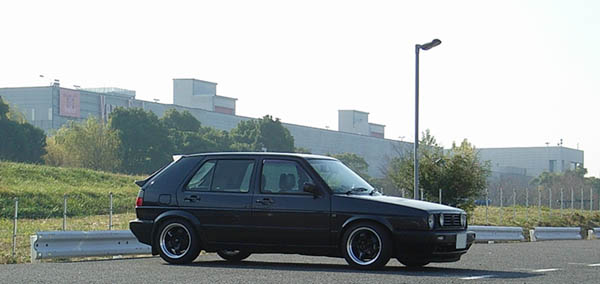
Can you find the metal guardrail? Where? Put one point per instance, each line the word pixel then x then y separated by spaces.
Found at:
pixel 596 233
pixel 497 233
pixel 59 244
pixel 555 233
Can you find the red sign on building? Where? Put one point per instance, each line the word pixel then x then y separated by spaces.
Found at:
pixel 69 103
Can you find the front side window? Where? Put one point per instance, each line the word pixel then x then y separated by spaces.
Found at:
pixel 282 176
pixel 223 176
pixel 340 178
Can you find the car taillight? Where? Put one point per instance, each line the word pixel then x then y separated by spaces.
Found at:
pixel 139 201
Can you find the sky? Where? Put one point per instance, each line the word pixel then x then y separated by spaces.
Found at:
pixel 507 74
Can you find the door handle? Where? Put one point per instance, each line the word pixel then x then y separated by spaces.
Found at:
pixel 265 201
pixel 192 198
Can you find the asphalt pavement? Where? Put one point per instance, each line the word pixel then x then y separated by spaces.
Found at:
pixel 537 262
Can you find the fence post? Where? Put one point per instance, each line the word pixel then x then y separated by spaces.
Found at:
pixel 501 206
pixel 591 200
pixel 64 227
pixel 440 197
pixel 572 199
pixel 539 204
pixel 582 198
pixel 514 204
pixel 14 236
pixel 550 199
pixel 487 203
pixel 422 193
pixel 110 212
pixel 561 201
pixel 527 204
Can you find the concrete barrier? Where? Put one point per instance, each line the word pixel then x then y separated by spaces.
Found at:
pixel 556 233
pixel 497 233
pixel 66 244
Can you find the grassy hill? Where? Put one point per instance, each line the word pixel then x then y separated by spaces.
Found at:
pixel 40 190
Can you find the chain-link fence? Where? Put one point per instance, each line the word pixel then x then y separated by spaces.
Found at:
pixel 71 212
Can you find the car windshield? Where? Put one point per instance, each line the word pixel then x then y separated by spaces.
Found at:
pixel 340 178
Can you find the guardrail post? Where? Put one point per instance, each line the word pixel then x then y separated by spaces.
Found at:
pixel 14 236
pixel 64 226
pixel 32 240
pixel 532 235
pixel 110 212
pixel 590 235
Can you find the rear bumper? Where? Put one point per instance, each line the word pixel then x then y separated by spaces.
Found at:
pixel 142 229
pixel 430 246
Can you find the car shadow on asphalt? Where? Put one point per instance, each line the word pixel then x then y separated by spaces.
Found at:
pixel 390 270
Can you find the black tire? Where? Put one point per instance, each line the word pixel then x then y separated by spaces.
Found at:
pixel 233 255
pixel 366 245
pixel 177 242
pixel 413 264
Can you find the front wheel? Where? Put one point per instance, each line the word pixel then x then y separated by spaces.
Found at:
pixel 233 255
pixel 366 245
pixel 177 242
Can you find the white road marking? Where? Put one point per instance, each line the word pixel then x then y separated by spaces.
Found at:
pixel 546 270
pixel 477 277
pixel 594 264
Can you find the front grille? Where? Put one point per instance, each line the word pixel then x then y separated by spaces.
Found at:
pixel 451 220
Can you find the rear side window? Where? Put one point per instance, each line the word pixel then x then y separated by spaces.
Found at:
pixel 173 175
pixel 223 176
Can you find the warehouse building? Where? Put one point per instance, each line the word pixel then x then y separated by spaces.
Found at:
pixel 50 107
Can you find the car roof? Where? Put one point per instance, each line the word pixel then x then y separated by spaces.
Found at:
pixel 264 154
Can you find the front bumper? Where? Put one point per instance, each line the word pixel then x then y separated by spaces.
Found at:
pixel 142 229
pixel 430 246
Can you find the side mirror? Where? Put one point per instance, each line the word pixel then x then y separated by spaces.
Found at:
pixel 312 188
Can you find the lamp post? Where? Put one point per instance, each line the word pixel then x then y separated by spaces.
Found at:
pixel 418 47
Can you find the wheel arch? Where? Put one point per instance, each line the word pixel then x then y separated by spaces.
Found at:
pixel 373 219
pixel 176 214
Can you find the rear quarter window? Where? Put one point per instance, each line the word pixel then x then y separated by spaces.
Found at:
pixel 173 176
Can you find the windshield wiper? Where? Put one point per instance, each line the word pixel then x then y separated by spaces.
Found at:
pixel 357 189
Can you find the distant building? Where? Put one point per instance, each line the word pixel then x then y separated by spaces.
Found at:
pixel 531 161
pixel 50 107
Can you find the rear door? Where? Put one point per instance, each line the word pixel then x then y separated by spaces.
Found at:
pixel 282 213
pixel 219 195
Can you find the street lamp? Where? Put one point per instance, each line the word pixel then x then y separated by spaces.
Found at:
pixel 418 47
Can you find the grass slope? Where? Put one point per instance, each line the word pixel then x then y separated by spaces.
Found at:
pixel 40 190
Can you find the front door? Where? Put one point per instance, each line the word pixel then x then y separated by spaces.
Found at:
pixel 282 213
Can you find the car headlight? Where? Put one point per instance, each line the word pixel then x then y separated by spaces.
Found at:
pixel 463 220
pixel 431 221
pixel 442 220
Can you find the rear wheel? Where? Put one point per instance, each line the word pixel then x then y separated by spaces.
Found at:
pixel 366 245
pixel 177 242
pixel 233 255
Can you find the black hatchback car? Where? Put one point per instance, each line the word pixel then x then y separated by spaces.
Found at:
pixel 236 204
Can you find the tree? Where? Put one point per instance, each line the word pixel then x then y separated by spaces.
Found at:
pixel 180 121
pixel 90 144
pixel 458 172
pixel 355 163
pixel 263 133
pixel 145 145
pixel 20 141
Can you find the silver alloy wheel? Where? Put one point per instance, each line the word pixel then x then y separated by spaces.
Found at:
pixel 175 240
pixel 364 246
